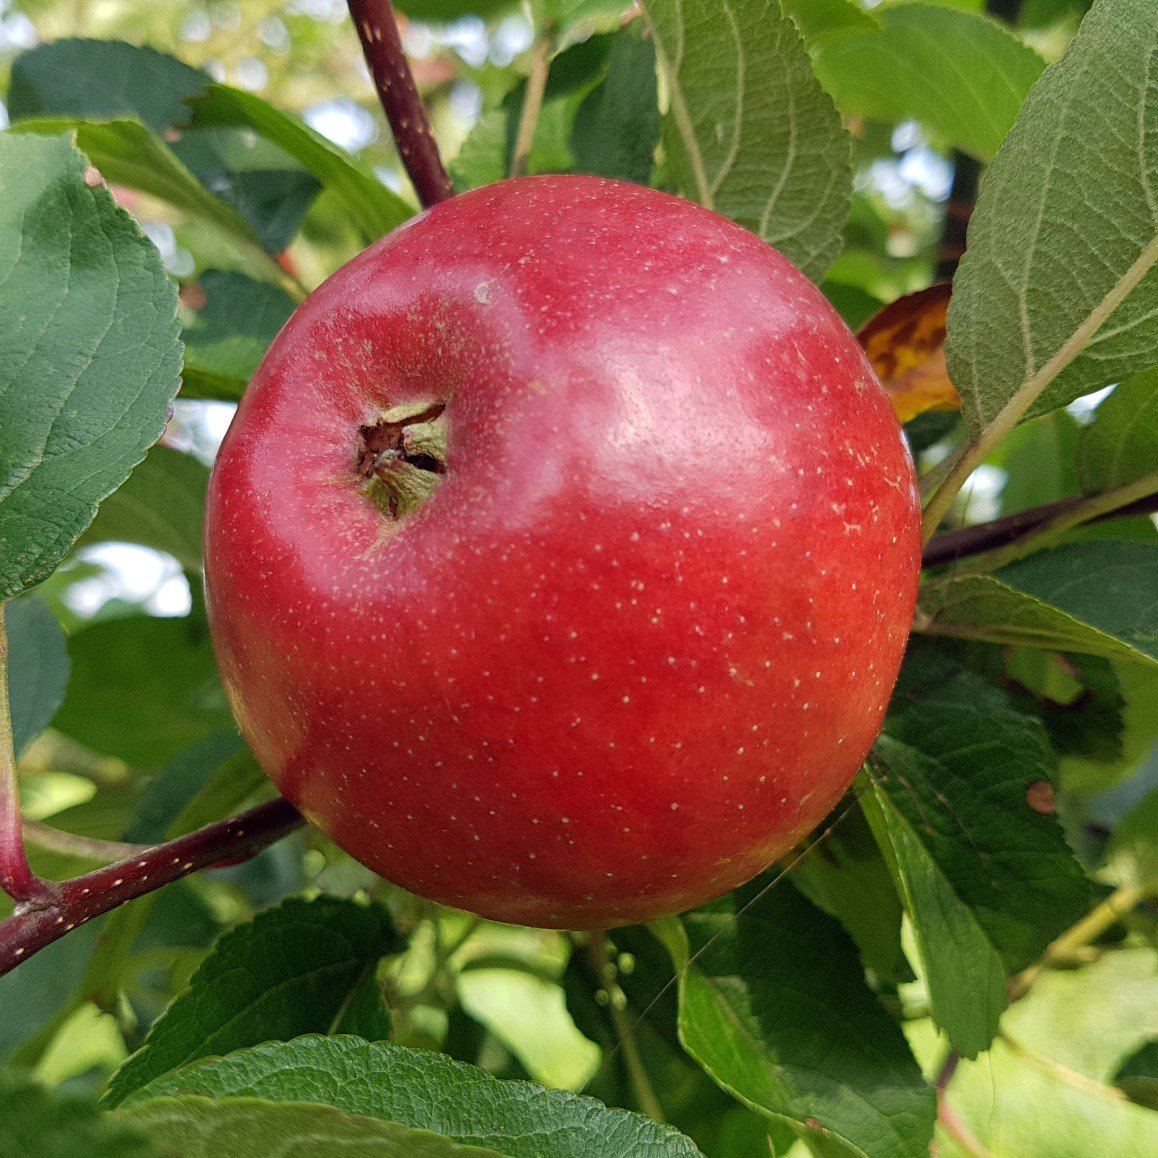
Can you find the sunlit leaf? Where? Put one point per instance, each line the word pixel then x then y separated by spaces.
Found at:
pixel 749 132
pixel 961 73
pixel 244 1127
pixel 89 352
pixel 1121 444
pixel 426 1091
pixel 1054 297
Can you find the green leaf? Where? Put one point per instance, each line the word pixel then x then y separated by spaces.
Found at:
pixel 849 879
pixel 961 73
pixel 257 178
pixel 963 791
pixel 102 80
pixel 291 970
pixel 142 689
pixel 1138 684
pixel 749 132
pixel 128 153
pixel 70 79
pixel 773 1004
pixel 961 968
pixel 566 13
pixel 89 352
pixel 170 792
pixel 245 1127
pixel 373 208
pixel 36 1123
pixel 426 1091
pixel 38 668
pixel 1137 1076
pixel 1054 299
pixel 227 338
pixel 1038 459
pixel 161 505
pixel 485 155
pixel 823 21
pixel 1133 851
pixel 954 794
pixel 1077 697
pixel 44 985
pixel 1086 1019
pixel 1095 598
pixel 365 1014
pixel 1121 444
pixel 483 158
pixel 444 11
pixel 222 792
pixel 616 126
pixel 853 304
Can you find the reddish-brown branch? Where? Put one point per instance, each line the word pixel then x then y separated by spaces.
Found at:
pixel 37 924
pixel 378 30
pixel 953 545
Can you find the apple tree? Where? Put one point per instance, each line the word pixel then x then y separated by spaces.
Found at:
pixel 936 932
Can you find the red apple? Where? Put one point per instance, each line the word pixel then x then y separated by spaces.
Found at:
pixel 628 636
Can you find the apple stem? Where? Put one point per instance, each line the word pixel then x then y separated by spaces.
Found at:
pixel 377 27
pixel 73 902
pixel 402 457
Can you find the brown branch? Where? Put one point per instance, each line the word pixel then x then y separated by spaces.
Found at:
pixel 952 545
pixel 377 28
pixel 36 924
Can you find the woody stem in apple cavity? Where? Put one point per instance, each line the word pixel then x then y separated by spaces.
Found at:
pixel 401 456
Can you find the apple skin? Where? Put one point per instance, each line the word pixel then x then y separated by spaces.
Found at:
pixel 640 637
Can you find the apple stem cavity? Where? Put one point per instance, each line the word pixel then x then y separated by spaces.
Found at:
pixel 402 457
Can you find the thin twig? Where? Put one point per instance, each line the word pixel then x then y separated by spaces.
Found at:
pixel 377 28
pixel 532 103
pixel 947 1116
pixel 82 847
pixel 74 902
pixel 947 1071
pixel 1076 937
pixel 16 877
pixel 645 1096
pixel 959 1132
